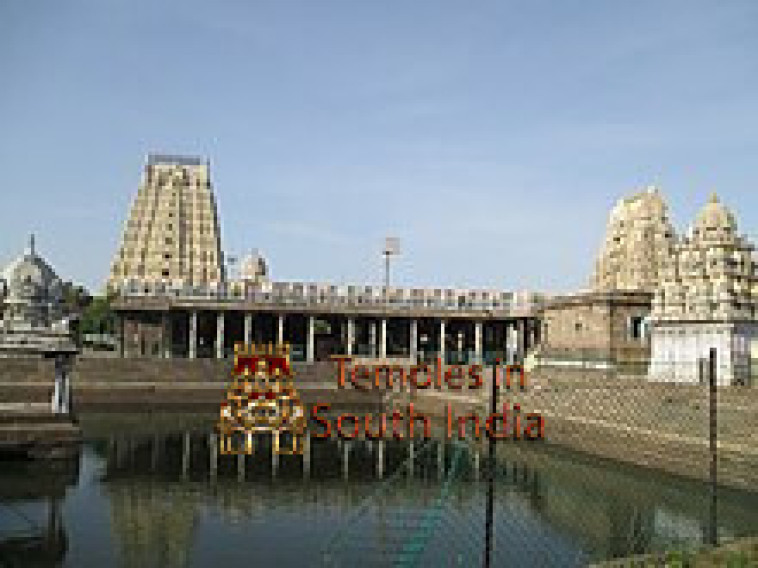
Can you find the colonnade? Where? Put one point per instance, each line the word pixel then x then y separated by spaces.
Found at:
pixel 370 336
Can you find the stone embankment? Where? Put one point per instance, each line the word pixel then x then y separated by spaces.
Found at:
pixel 32 430
pixel 659 425
pixel 143 383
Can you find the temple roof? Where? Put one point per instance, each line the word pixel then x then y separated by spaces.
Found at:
pixel 28 271
pixel 715 215
pixel 175 159
pixel 648 203
pixel 253 266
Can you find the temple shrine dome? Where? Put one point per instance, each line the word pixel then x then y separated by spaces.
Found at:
pixel 714 219
pixel 30 277
pixel 254 267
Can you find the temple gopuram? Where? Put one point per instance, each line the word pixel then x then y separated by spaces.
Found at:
pixel 604 328
pixel 657 302
pixel 707 299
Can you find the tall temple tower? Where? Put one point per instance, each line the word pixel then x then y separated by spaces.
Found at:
pixel 708 298
pixel 638 244
pixel 173 233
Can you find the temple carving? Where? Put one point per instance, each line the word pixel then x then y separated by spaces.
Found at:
pixel 638 244
pixel 172 235
pixel 707 298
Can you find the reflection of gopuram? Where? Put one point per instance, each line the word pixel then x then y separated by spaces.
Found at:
pixel 261 399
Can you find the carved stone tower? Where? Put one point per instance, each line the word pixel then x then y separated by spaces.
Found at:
pixel 638 244
pixel 172 234
pixel 707 299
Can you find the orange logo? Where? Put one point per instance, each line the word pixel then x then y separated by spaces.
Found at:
pixel 261 399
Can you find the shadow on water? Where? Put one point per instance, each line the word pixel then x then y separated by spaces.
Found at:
pixel 166 499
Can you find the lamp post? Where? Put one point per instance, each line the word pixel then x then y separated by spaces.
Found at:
pixel 391 248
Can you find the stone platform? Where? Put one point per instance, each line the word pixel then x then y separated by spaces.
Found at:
pixel 30 430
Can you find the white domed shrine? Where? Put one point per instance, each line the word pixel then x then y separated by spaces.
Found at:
pixel 32 321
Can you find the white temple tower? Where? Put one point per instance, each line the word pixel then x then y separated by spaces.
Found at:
pixel 707 298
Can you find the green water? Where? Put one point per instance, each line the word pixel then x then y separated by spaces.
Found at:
pixel 143 493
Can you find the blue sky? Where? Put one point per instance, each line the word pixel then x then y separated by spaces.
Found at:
pixel 491 137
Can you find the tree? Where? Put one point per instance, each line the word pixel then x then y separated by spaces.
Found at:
pixel 76 298
pixel 98 317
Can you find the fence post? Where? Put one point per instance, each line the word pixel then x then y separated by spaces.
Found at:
pixel 713 415
pixel 490 509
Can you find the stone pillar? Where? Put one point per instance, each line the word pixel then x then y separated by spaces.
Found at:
pixel 307 455
pixel 478 354
pixel 61 400
pixel 248 328
pixel 167 335
pixel 411 459
pixel 413 351
pixel 350 336
pixel 440 459
pixel 241 467
pixel 311 345
pixel 345 460
pixel 274 454
pixel 220 335
pixel 280 329
pixel 372 338
pixel 186 452
pixel 213 451
pixel 58 378
pixel 193 335
pixel 380 459
pixel 520 340
pixel 442 341
pixel 528 336
pixel 383 338
pixel 511 342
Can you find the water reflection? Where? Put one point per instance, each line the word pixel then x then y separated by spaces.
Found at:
pixel 37 539
pixel 164 498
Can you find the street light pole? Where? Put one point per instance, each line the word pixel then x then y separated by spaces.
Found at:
pixel 391 248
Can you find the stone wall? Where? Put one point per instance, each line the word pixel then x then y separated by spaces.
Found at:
pixel 137 381
pixel 605 329
pixel 659 425
pixel 144 335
